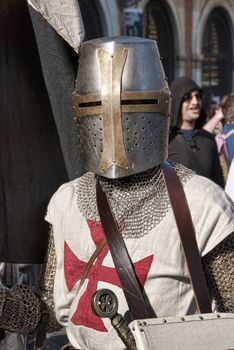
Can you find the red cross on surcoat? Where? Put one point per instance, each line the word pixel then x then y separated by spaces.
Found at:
pixel 74 268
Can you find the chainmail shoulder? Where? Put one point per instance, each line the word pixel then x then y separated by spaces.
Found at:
pixel 138 202
pixel 219 272
pixel 44 287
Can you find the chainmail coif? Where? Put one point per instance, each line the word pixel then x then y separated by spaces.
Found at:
pixel 139 202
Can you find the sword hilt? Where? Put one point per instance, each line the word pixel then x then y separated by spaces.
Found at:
pixel 105 305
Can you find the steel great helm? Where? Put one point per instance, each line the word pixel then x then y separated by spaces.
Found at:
pixel 122 105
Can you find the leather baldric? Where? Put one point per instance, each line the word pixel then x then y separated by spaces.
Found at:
pixel 90 263
pixel 186 230
pixel 121 258
pixel 187 236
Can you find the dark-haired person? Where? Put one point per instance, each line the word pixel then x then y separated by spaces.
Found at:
pixel 190 144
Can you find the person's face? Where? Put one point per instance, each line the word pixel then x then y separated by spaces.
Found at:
pixel 191 106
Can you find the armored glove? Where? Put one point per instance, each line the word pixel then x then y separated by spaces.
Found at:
pixel 20 309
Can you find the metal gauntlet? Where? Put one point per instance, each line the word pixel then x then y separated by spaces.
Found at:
pixel 20 309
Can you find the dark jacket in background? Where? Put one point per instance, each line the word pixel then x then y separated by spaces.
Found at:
pixel 198 152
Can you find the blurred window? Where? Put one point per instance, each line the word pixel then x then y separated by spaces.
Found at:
pixel 91 18
pixel 157 26
pixel 217 55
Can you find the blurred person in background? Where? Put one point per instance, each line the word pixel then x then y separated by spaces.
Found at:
pixel 222 125
pixel 229 188
pixel 227 106
pixel 189 143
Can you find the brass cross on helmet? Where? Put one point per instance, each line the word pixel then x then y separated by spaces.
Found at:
pixel 111 100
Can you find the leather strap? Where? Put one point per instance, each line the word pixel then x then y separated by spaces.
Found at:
pixel 121 258
pixel 188 237
pixel 91 261
pixel 186 230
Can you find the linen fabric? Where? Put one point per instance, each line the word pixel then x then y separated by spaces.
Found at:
pixel 157 257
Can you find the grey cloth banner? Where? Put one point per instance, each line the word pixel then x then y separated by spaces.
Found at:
pixel 32 163
pixel 59 64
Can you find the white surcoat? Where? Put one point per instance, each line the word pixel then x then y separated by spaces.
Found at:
pixel 157 257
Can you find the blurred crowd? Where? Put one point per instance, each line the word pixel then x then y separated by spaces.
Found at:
pixel 202 138
pixel 221 124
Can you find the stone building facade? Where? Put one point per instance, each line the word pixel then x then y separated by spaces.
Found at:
pixel 195 38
